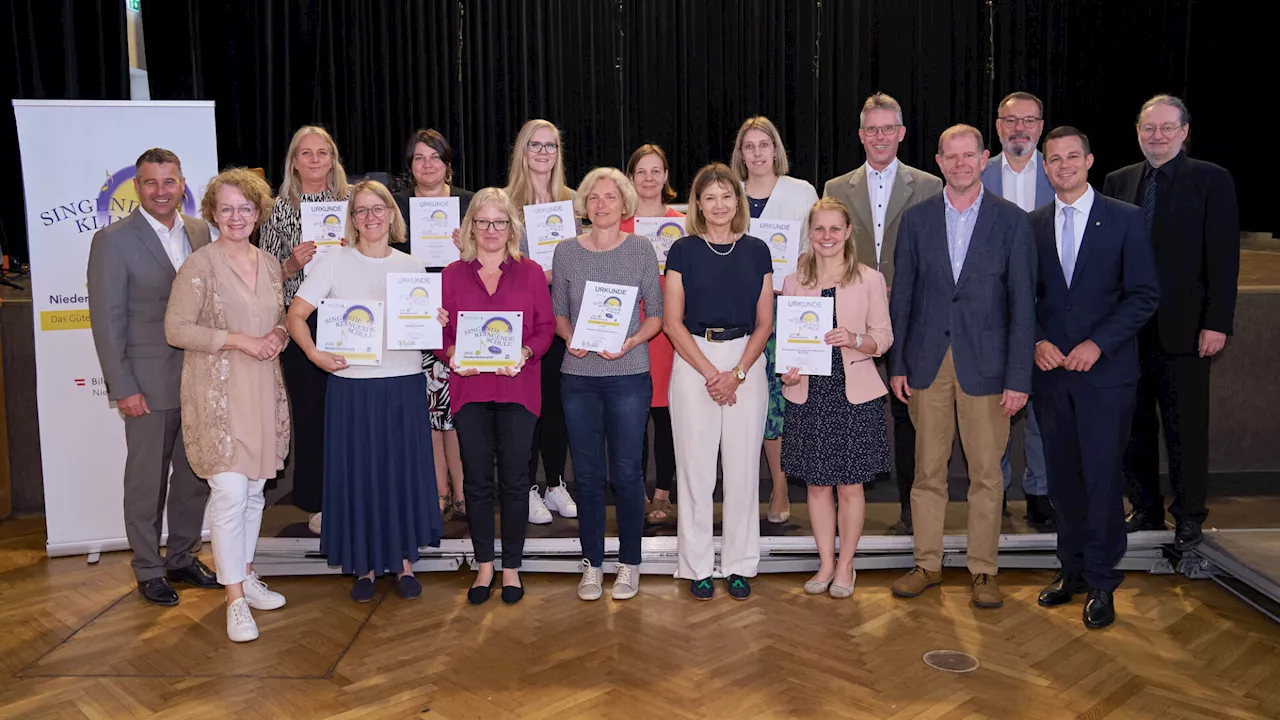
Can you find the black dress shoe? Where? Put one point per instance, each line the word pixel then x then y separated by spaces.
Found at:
pixel 158 591
pixel 1141 520
pixel 1187 535
pixel 1040 513
pixel 1060 591
pixel 197 573
pixel 1099 609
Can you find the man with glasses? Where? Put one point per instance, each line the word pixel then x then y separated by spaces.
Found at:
pixel 876 194
pixel 1018 176
pixel 1190 210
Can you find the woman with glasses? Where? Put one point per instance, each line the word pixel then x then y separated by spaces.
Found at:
pixel 536 176
pixel 428 172
pixel 312 173
pixel 495 412
pixel 378 470
pixel 718 312
pixel 760 161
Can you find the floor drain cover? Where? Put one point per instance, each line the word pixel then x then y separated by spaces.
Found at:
pixel 951 661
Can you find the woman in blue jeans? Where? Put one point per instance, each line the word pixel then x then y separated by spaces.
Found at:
pixel 605 394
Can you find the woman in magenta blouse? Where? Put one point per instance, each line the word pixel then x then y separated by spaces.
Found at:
pixel 497 411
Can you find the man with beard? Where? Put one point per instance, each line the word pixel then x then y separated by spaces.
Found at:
pixel 1018 176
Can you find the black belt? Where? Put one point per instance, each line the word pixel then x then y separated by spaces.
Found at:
pixel 724 334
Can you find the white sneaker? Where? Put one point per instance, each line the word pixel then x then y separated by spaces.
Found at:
pixel 259 597
pixel 313 524
pixel 538 512
pixel 626 583
pixel 240 624
pixel 589 587
pixel 559 500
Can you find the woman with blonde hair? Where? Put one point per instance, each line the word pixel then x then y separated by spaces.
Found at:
pixel 313 172
pixel 226 313
pixel 379 473
pixel 536 176
pixel 495 413
pixel 760 160
pixel 835 425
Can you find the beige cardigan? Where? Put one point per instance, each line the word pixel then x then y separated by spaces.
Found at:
pixel 863 308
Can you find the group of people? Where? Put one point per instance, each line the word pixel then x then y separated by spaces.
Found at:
pixel 1009 285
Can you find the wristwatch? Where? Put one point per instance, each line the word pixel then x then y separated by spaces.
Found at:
pixel 857 341
pixel 741 374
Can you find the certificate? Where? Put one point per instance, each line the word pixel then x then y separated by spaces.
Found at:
pixel 802 323
pixel 412 300
pixel 489 340
pixel 432 221
pixel 604 317
pixel 323 223
pixel 352 329
pixel 783 239
pixel 547 224
pixel 662 232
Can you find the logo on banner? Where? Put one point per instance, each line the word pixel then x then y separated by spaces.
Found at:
pixel 97 385
pixel 497 331
pixel 554 223
pixel 116 198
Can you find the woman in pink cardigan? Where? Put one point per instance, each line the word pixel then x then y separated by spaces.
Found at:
pixel 835 425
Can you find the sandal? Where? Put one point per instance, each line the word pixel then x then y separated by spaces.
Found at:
pixel 459 510
pixel 446 507
pixel 661 512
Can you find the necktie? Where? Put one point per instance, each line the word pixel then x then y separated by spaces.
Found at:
pixel 1149 199
pixel 1068 243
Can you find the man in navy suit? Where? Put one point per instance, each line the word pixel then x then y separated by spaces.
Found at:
pixel 1017 175
pixel 1097 288
pixel 963 312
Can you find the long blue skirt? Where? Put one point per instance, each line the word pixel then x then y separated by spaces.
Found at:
pixel 380 499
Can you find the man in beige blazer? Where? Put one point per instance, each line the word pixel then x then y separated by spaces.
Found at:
pixel 876 194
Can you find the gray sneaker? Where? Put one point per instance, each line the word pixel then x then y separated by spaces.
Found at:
pixel 589 587
pixel 626 583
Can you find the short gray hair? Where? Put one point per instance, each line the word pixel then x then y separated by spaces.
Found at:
pixel 880 101
pixel 1184 116
pixel 1022 95
pixel 628 191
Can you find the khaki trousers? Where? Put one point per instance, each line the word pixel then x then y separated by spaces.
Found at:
pixel 984 432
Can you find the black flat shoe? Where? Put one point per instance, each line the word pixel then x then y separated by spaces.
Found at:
pixel 479 594
pixel 1099 609
pixel 1061 590
pixel 362 590
pixel 408 587
pixel 1139 520
pixel 197 574
pixel 158 591
pixel 511 594
pixel 1187 536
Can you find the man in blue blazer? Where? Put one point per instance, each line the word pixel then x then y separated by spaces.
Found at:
pixel 1017 175
pixel 963 312
pixel 1098 287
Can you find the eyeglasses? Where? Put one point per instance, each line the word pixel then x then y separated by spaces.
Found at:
pixel 764 146
pixel 876 130
pixel 492 224
pixel 1149 130
pixel 244 211
pixel 541 147
pixel 363 212
pixel 1010 122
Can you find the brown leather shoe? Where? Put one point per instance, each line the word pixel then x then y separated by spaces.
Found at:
pixel 915 582
pixel 986 594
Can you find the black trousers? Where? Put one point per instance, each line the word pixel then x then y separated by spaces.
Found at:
pixel 306 384
pixel 664 448
pixel 904 451
pixel 489 430
pixel 1178 387
pixel 550 439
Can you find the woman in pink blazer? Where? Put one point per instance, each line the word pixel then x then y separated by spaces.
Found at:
pixel 835 425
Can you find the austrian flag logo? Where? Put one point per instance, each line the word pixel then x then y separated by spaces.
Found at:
pixel 79 382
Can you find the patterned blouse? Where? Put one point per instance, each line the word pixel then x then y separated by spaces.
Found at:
pixel 282 232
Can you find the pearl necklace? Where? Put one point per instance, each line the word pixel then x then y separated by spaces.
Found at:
pixel 721 254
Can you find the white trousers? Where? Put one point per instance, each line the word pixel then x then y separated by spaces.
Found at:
pixel 235 519
pixel 703 430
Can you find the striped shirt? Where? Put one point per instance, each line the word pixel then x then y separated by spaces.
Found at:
pixel 960 230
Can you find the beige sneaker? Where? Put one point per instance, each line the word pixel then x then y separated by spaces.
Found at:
pixel 986 594
pixel 915 582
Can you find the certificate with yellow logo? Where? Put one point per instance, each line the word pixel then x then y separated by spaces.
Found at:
pixel 783 239
pixel 352 329
pixel 323 223
pixel 662 232
pixel 432 221
pixel 604 317
pixel 489 340
pixel 548 224
pixel 412 301
pixel 802 324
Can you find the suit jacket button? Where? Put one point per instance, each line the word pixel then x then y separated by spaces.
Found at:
pixel 955 299
pixel 947 333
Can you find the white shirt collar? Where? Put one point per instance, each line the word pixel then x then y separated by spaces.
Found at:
pixel 159 226
pixel 1082 205
pixel 889 170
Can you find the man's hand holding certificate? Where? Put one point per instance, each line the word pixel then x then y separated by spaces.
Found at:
pixel 547 224
pixel 432 221
pixel 413 301
pixel 604 318
pixel 803 323
pixel 325 224
pixel 489 342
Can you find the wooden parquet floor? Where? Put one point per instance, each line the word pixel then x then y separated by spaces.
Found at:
pixel 77 642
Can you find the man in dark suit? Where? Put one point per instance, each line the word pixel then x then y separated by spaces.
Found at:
pixel 132 264
pixel 963 312
pixel 1190 210
pixel 877 194
pixel 1097 288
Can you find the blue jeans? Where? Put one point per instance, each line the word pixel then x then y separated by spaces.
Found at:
pixel 612 410
pixel 1036 480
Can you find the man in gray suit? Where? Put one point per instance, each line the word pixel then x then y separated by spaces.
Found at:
pixel 1017 174
pixel 876 194
pixel 963 312
pixel 132 264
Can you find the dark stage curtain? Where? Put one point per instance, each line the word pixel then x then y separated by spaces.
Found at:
pixel 613 74
pixel 58 49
